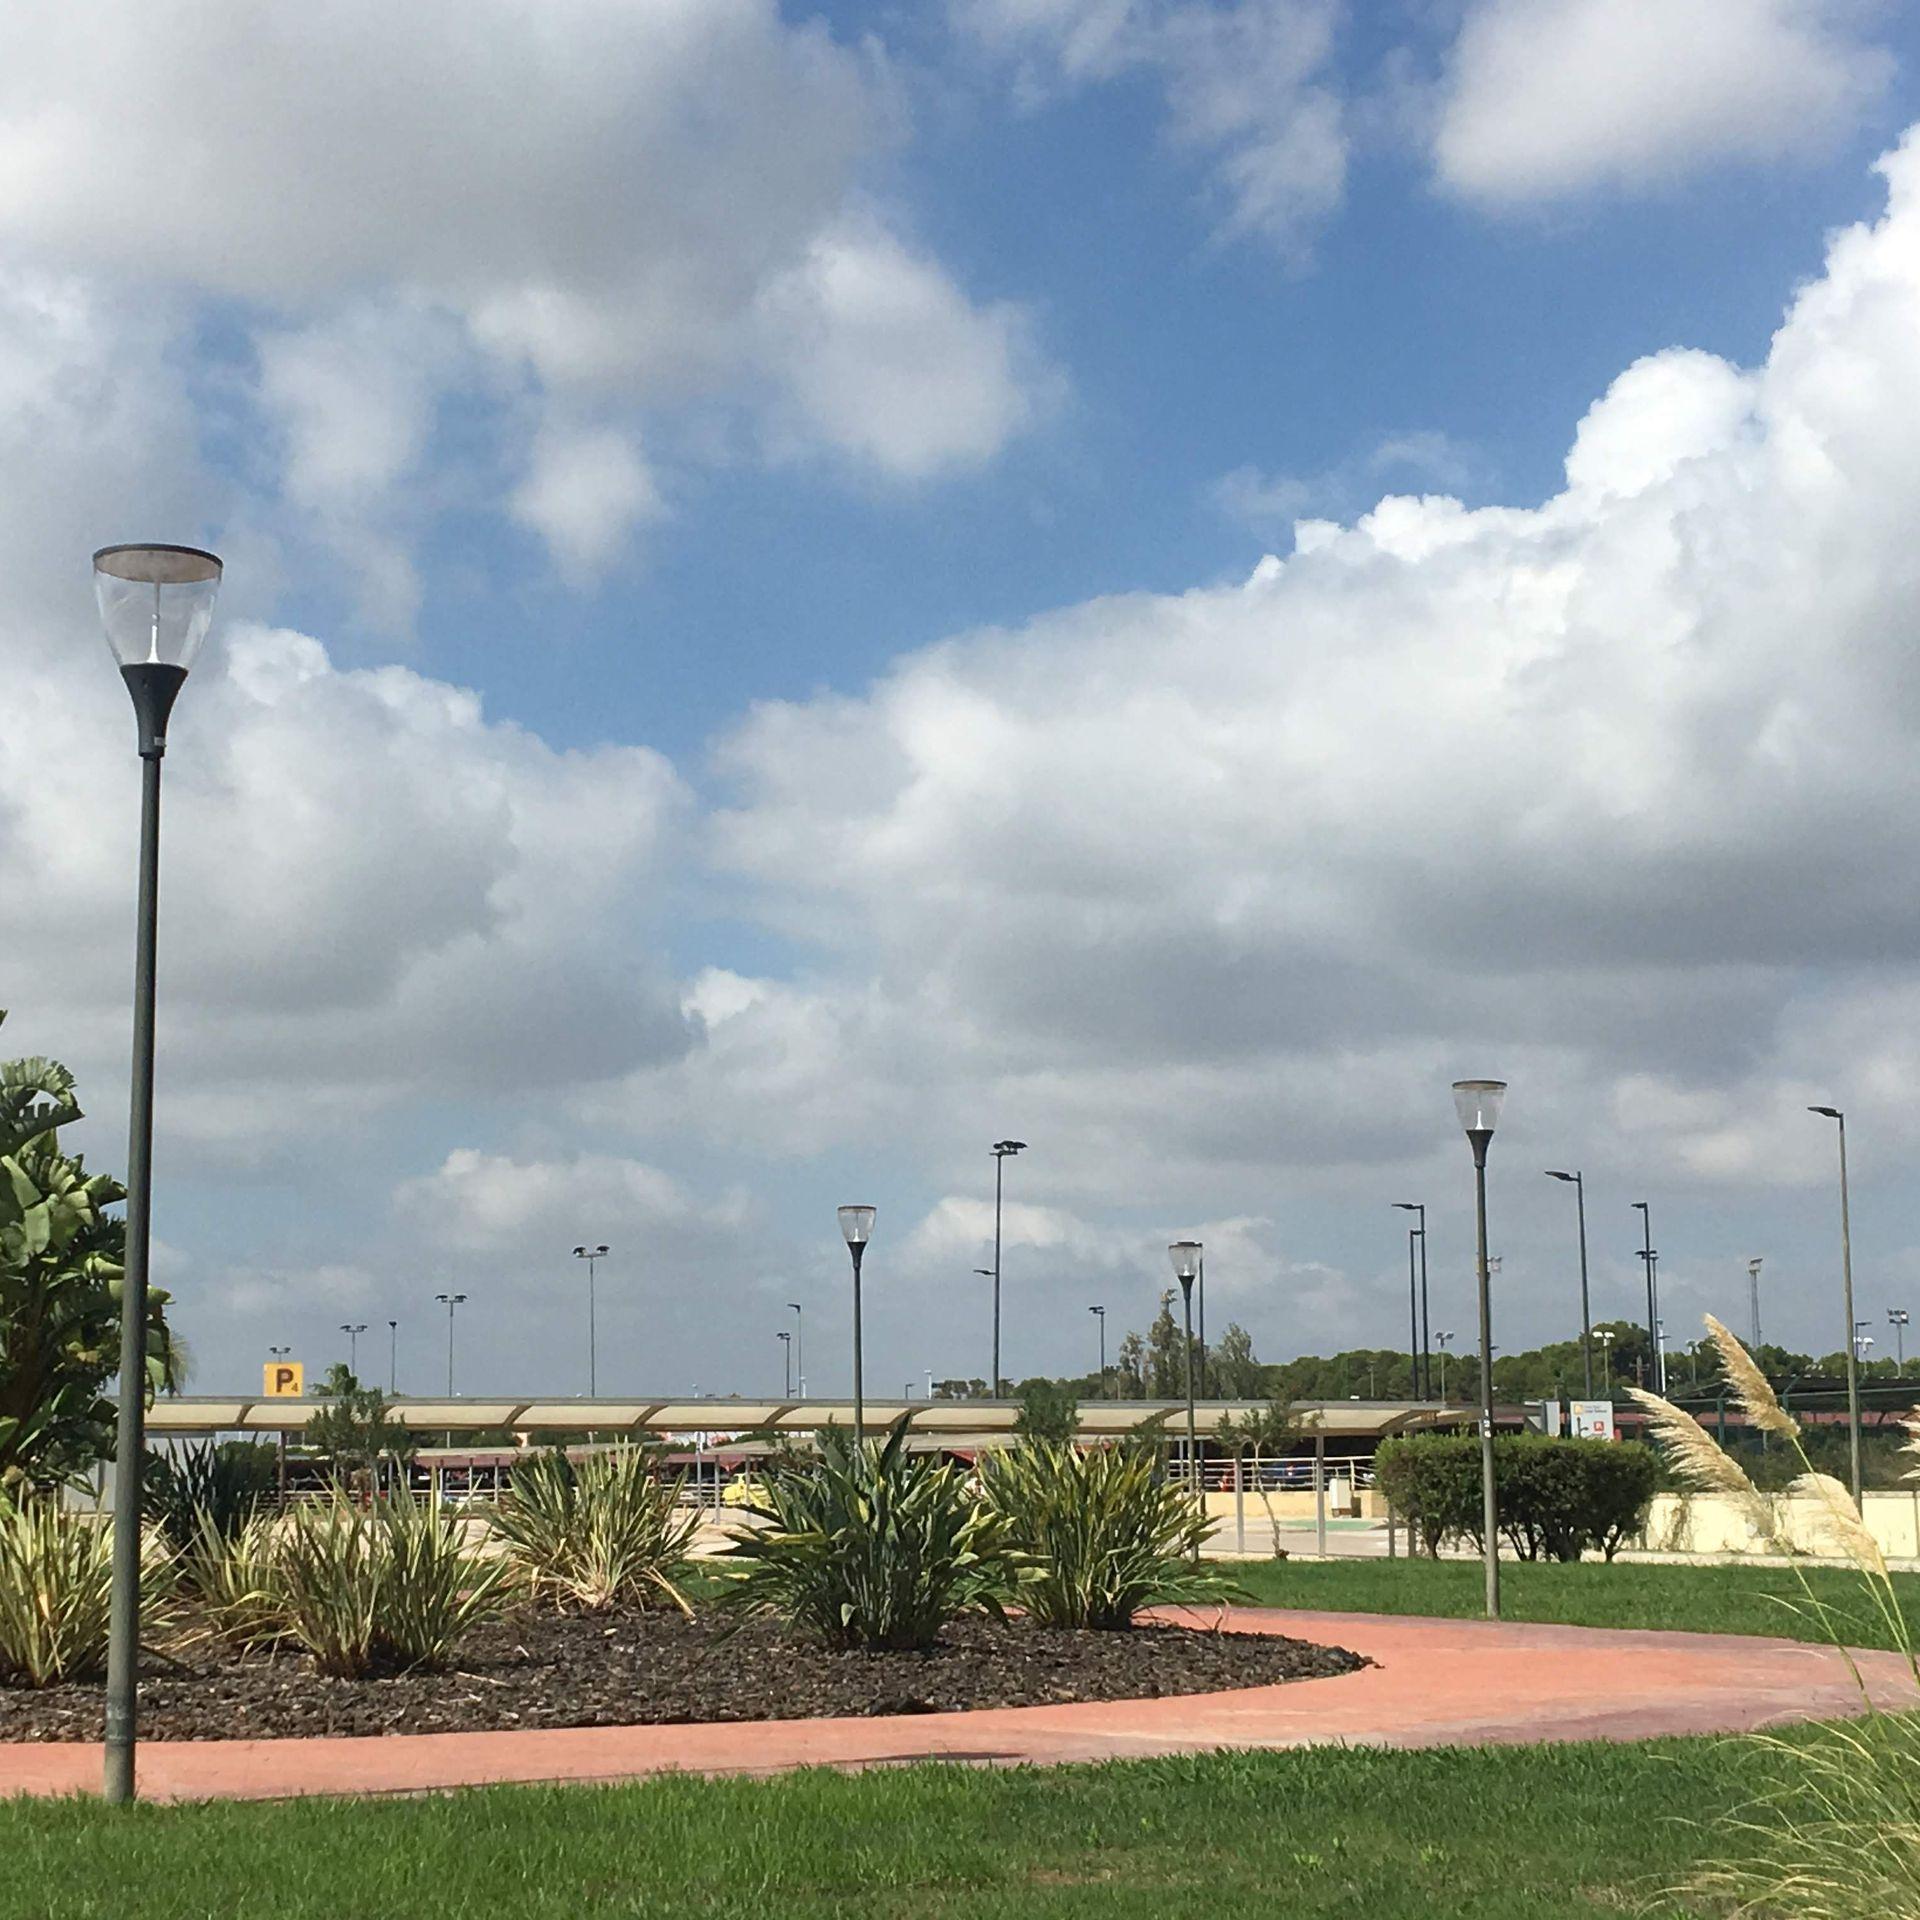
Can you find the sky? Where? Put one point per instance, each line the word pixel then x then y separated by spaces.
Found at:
pixel 811 589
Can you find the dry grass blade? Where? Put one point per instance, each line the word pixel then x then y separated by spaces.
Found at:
pixel 1841 1519
pixel 1694 1457
pixel 1750 1389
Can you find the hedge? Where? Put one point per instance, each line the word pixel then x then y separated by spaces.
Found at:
pixel 1556 1499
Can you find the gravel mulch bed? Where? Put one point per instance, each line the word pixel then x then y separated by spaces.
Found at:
pixel 539 1671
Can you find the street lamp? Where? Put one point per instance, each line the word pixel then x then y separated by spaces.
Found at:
pixel 1478 1104
pixel 1100 1314
pixel 1443 1341
pixel 1897 1320
pixel 786 1363
pixel 1003 1151
pixel 1651 1259
pixel 393 1356
pixel 353 1329
pixel 592 1256
pixel 1423 1360
pixel 799 1351
pixel 156 604
pixel 1607 1337
pixel 1185 1255
pixel 1578 1182
pixel 1753 1301
pixel 450 1301
pixel 1846 1286
pixel 856 1228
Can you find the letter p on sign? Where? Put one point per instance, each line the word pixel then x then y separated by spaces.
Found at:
pixel 285 1379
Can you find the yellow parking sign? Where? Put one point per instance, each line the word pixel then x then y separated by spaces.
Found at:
pixel 285 1379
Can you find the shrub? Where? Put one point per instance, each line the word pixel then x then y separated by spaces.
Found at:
pixel 56 1593
pixel 609 1532
pixel 232 1581
pixel 207 1485
pixel 387 1590
pixel 873 1547
pixel 1048 1412
pixel 1557 1498
pixel 1104 1535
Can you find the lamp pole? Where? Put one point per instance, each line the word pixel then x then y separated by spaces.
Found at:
pixel 1443 1341
pixel 1846 1287
pixel 1897 1320
pixel 786 1363
pixel 1478 1103
pixel 1186 1255
pixel 1003 1151
pixel 1649 1257
pixel 1100 1314
pixel 1418 1342
pixel 1753 1301
pixel 1578 1182
pixel 592 1256
pixel 393 1357
pixel 1607 1338
pixel 450 1301
pixel 156 603
pixel 353 1330
pixel 799 1350
pixel 1201 1356
pixel 856 1228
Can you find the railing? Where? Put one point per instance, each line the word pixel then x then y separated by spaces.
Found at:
pixel 1283 1473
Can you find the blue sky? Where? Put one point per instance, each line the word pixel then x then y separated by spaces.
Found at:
pixel 835 446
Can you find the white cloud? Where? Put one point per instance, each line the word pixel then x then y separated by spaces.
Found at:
pixel 1245 82
pixel 1275 502
pixel 1546 98
pixel 1197 887
pixel 582 211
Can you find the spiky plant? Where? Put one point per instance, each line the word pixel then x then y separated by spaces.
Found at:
pixel 1104 1534
pixel 386 1590
pixel 56 1592
pixel 233 1583
pixel 871 1546
pixel 608 1532
pixel 1840 1840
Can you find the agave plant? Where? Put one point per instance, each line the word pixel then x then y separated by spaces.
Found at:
pixel 389 1589
pixel 1104 1534
pixel 233 1581
pixel 607 1533
pixel 56 1591
pixel 871 1547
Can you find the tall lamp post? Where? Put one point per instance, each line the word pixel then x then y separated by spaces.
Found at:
pixel 393 1356
pixel 353 1329
pixel 1846 1286
pixel 785 1337
pixel 1185 1255
pixel 1897 1320
pixel 450 1301
pixel 1418 1322
pixel 592 1256
pixel 1443 1341
pixel 799 1350
pixel 1003 1151
pixel 1753 1301
pixel 1651 1260
pixel 1478 1104
pixel 1100 1314
pixel 1578 1182
pixel 856 1228
pixel 156 604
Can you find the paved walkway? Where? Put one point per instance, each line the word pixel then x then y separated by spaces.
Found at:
pixel 1437 1683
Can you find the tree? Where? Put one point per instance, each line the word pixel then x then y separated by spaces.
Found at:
pixel 355 1429
pixel 61 1268
pixel 1233 1371
pixel 1130 1369
pixel 1047 1412
pixel 1166 1364
pixel 1263 1432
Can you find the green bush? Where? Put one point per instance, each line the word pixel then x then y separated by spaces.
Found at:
pixel 56 1591
pixel 1104 1534
pixel 232 1581
pixel 607 1533
pixel 1557 1499
pixel 870 1547
pixel 386 1590
pixel 208 1486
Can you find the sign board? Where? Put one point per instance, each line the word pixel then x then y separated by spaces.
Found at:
pixel 284 1380
pixel 1593 1420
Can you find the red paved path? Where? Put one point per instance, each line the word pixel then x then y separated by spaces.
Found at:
pixel 1438 1683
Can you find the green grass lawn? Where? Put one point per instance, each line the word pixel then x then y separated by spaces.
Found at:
pixel 1766 1600
pixel 1517 1832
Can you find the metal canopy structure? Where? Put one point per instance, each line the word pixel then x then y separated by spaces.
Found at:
pixel 1359 1420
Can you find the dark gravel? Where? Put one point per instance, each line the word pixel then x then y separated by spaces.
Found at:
pixel 657 1668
